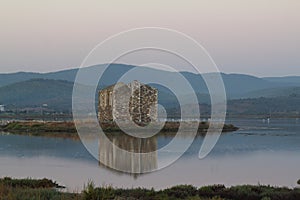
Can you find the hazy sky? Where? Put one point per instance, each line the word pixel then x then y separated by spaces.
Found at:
pixel 259 37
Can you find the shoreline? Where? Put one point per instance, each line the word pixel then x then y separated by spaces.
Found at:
pixel 69 117
pixel 68 129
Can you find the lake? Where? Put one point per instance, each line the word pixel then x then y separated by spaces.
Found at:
pixel 258 153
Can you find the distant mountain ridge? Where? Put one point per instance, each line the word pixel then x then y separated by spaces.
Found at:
pixel 7 79
pixel 246 94
pixel 57 94
pixel 285 79
pixel 236 85
pixel 274 92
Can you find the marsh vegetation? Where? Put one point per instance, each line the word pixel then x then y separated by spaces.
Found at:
pixel 68 129
pixel 29 189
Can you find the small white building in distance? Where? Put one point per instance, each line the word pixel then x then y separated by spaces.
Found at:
pixel 2 108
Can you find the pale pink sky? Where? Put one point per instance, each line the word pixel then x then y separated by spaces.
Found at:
pixel 260 37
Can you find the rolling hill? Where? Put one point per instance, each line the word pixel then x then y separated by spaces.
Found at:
pixel 285 79
pixel 237 85
pixel 274 92
pixel 36 92
pixel 57 94
pixel 246 94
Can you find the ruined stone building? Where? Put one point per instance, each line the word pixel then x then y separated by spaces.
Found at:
pixel 134 101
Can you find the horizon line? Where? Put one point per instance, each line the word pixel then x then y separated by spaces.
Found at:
pixel 125 64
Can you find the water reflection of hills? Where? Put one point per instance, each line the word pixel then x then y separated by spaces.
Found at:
pixel 128 154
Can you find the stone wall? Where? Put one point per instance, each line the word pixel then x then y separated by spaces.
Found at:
pixel 136 102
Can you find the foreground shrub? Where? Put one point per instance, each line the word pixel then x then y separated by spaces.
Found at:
pixel 181 191
pixel 29 183
pixel 92 193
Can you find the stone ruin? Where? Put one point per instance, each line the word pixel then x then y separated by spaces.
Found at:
pixel 135 101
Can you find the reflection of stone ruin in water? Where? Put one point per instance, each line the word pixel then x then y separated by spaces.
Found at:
pixel 120 155
pixel 135 102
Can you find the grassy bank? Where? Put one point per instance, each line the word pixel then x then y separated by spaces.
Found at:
pixel 68 130
pixel 28 189
pixel 48 129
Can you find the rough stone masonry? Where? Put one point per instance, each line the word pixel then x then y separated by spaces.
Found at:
pixel 134 101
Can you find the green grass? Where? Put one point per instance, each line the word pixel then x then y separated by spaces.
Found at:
pixel 29 189
pixel 68 130
pixel 28 183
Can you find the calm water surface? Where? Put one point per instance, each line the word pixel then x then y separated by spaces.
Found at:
pixel 260 152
